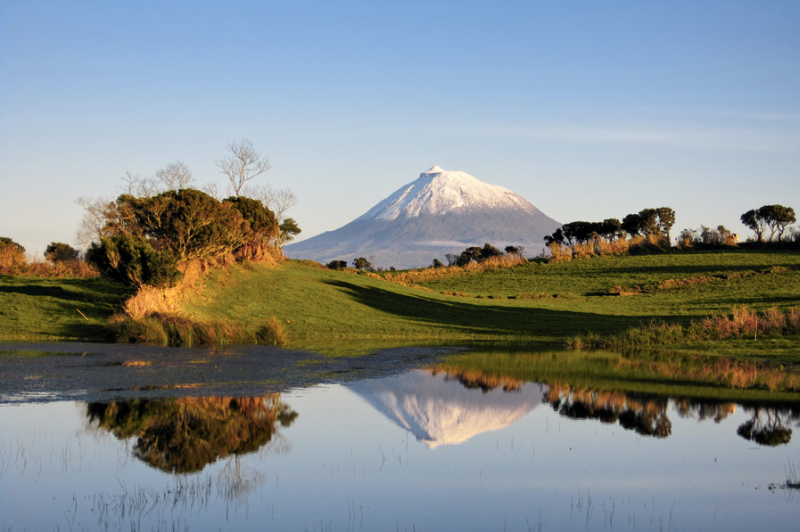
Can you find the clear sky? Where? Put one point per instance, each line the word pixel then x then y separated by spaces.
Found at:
pixel 587 109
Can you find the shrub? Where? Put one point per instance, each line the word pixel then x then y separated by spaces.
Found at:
pixel 133 261
pixel 60 252
pixel 271 333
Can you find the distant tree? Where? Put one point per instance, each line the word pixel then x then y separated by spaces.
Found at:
pixel 336 265
pixel 242 165
pixel 489 251
pixel 452 259
pixel 361 263
pixel 288 230
pixel 610 228
pixel 666 219
pixel 556 238
pixel 778 218
pixel 632 224
pixel 756 222
pixel 60 252
pixel 437 263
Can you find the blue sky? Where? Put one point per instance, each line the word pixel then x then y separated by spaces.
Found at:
pixel 587 109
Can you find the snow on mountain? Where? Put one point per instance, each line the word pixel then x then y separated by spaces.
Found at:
pixel 440 212
pixel 441 411
pixel 438 191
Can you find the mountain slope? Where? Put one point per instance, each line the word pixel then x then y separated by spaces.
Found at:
pixel 440 212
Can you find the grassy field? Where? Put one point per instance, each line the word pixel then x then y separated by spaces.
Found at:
pixel 321 307
pixel 42 309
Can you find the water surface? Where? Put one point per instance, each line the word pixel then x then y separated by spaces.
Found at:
pixel 402 448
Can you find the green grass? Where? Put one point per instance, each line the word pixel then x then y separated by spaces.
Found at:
pixel 43 309
pixel 327 310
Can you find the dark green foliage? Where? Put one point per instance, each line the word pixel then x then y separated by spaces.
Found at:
pixel 190 224
pixel 474 254
pixel 133 261
pixel 60 252
pixel 771 434
pixel 336 265
pixel 288 230
pixel 262 220
pixel 361 263
pixel 437 263
pixel 776 218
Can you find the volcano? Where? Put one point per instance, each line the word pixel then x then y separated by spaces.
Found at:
pixel 440 212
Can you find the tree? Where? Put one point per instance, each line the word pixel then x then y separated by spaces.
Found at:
pixel 60 252
pixel 288 230
pixel 361 263
pixel 666 219
pixel 336 265
pixel 632 224
pixel 777 218
pixel 242 165
pixel 755 221
pixel 174 176
pixel 437 263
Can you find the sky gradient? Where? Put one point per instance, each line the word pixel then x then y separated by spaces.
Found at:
pixel 589 110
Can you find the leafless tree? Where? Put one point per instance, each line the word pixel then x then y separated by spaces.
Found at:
pixel 243 164
pixel 94 219
pixel 141 187
pixel 277 200
pixel 174 176
pixel 212 189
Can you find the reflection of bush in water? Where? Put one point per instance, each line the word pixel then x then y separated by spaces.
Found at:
pixel 771 431
pixel 474 379
pixel 186 434
pixel 647 417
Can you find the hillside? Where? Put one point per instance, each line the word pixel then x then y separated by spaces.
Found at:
pixel 539 304
pixel 316 303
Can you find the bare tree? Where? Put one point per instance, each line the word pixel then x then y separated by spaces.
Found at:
pixel 277 200
pixel 174 176
pixel 243 164
pixel 94 219
pixel 141 187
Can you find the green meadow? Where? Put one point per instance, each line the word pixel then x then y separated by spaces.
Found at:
pixel 537 304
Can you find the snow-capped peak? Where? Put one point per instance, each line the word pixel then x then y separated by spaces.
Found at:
pixel 435 169
pixel 440 191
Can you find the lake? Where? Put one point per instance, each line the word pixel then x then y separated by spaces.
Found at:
pixel 120 437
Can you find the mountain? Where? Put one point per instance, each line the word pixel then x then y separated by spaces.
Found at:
pixel 440 410
pixel 441 212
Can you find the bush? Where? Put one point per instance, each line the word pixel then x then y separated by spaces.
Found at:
pixel 271 333
pixel 60 252
pixel 133 261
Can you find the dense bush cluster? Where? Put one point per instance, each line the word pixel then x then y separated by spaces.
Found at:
pixel 144 239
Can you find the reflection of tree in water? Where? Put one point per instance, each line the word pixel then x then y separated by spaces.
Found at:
pixel 703 410
pixel 647 417
pixel 186 434
pixel 476 379
pixel 769 426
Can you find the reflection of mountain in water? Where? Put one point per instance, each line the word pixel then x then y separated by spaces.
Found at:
pixel 186 434
pixel 442 408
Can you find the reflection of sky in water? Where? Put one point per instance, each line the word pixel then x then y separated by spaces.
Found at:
pixel 343 464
